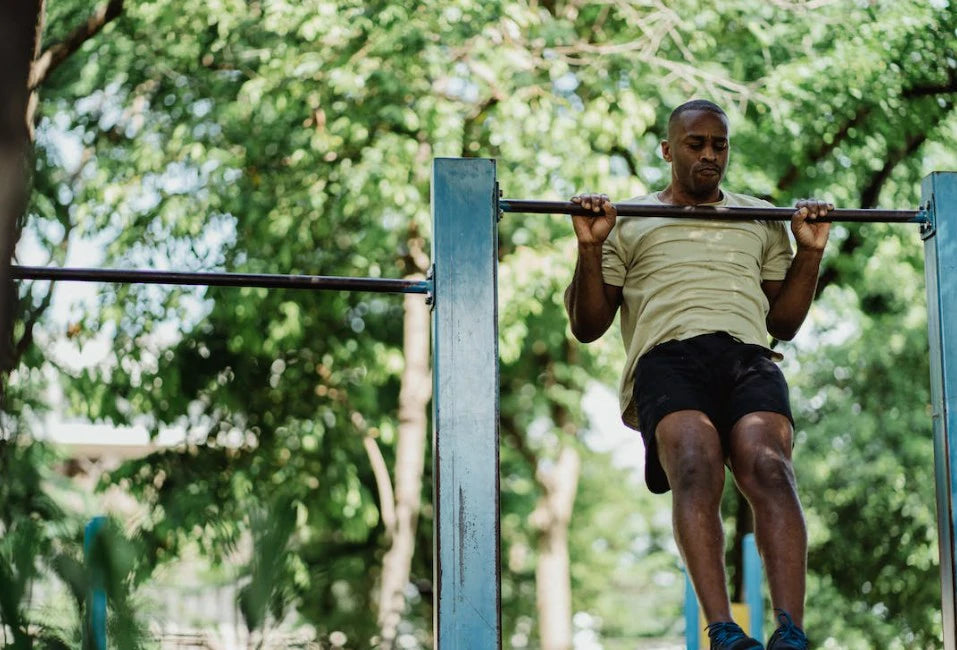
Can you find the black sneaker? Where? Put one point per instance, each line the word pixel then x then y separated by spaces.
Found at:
pixel 788 636
pixel 730 636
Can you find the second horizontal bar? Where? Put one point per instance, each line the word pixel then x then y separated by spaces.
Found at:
pixel 713 212
pixel 261 280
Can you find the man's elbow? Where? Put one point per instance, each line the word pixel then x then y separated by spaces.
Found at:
pixel 782 332
pixel 587 330
pixel 584 336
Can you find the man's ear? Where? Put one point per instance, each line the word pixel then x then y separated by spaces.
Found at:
pixel 666 150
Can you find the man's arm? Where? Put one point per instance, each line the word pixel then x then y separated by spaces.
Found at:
pixel 591 304
pixel 791 298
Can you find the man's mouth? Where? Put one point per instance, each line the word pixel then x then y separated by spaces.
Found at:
pixel 709 171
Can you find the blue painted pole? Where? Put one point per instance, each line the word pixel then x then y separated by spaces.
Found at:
pixel 96 597
pixel 692 633
pixel 752 586
pixel 939 198
pixel 465 402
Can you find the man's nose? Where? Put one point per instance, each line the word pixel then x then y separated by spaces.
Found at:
pixel 709 153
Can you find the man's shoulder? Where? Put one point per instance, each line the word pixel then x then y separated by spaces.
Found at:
pixel 628 232
pixel 745 200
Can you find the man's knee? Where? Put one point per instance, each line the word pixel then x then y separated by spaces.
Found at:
pixel 761 453
pixel 697 474
pixel 764 470
pixel 690 453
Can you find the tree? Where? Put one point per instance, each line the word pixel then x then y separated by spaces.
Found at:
pixel 275 138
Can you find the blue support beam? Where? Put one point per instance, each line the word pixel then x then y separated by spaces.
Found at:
pixel 95 627
pixel 939 198
pixel 465 401
pixel 692 633
pixel 753 596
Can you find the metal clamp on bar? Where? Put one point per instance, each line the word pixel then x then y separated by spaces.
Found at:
pixel 430 294
pixel 496 197
pixel 928 227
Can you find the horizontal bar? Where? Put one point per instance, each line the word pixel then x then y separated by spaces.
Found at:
pixel 312 282
pixel 712 212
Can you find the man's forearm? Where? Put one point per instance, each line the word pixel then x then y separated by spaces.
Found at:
pixel 794 299
pixel 589 312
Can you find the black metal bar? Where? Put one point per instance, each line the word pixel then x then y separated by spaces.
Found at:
pixel 311 282
pixel 711 212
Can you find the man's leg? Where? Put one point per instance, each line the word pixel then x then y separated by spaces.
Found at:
pixel 761 464
pixel 690 452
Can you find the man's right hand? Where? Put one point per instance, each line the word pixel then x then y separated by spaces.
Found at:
pixel 593 231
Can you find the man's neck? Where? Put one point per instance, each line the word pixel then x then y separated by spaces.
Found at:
pixel 674 195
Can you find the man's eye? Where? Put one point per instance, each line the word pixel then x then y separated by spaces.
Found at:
pixel 721 146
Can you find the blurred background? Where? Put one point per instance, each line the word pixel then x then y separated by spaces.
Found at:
pixel 264 456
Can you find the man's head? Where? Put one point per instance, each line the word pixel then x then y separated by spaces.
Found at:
pixel 697 148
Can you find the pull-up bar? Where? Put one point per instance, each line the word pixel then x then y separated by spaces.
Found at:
pixel 714 212
pixel 261 280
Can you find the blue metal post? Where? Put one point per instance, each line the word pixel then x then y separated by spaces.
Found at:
pixel 96 597
pixel 939 197
pixel 752 586
pixel 465 401
pixel 692 633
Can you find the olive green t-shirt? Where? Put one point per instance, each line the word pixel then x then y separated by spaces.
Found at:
pixel 681 278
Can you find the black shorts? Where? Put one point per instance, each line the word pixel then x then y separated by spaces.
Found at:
pixel 713 373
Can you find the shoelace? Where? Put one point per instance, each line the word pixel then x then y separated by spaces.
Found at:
pixel 788 631
pixel 725 633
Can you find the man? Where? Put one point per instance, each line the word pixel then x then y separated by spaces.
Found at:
pixel 698 300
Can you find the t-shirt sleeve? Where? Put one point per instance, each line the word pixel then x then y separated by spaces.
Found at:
pixel 612 260
pixel 778 254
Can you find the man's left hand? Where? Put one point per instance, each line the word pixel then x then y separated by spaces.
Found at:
pixel 810 234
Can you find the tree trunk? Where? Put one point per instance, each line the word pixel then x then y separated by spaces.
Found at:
pixel 414 395
pixel 552 574
pixel 25 69
pixel 20 25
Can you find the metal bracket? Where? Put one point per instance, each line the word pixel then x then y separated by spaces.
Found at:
pixel 929 227
pixel 495 197
pixel 430 294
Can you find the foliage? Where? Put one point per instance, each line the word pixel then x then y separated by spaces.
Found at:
pixel 40 545
pixel 296 138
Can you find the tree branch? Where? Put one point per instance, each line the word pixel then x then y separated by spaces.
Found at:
pixel 56 54
pixel 793 172
pixel 383 482
pixel 481 112
pixel 933 89
pixel 872 191
pixel 510 430
pixel 619 150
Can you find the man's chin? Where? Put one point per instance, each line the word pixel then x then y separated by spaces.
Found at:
pixel 706 185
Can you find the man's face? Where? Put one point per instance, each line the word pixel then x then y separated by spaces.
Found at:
pixel 697 148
